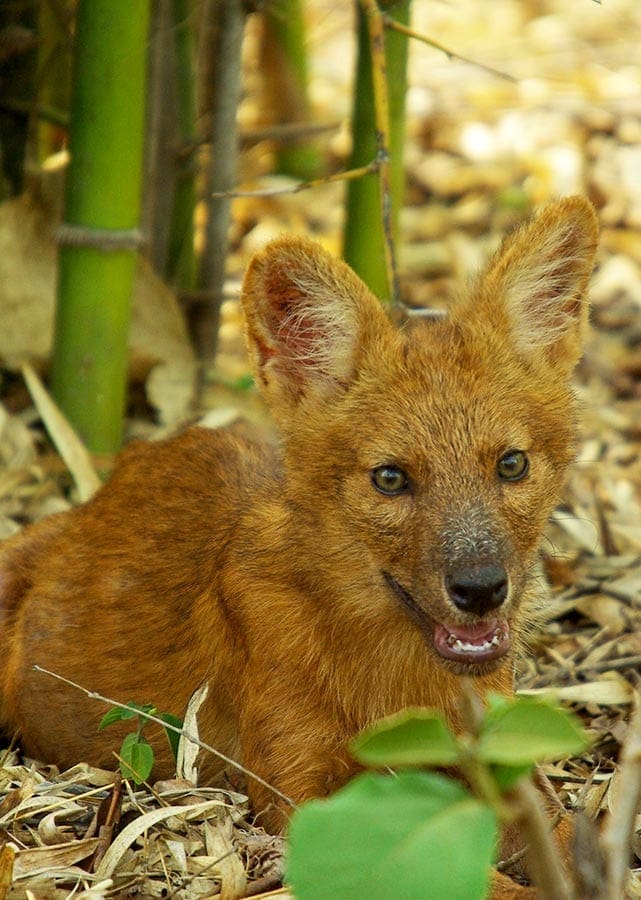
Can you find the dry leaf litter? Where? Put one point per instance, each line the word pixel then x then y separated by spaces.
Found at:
pixel 481 149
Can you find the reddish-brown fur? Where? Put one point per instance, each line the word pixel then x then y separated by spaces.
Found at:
pixel 307 599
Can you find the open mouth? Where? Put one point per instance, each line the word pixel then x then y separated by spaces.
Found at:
pixel 487 639
pixel 483 641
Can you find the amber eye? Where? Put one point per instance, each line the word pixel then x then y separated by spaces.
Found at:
pixel 389 480
pixel 513 465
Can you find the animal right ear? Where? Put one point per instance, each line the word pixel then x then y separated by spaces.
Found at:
pixel 309 318
pixel 538 282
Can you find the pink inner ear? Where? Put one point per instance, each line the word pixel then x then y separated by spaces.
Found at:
pixel 297 337
pixel 561 282
pixel 561 285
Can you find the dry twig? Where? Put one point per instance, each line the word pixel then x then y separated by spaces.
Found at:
pixel 370 169
pixel 417 36
pixel 621 823
pixel 543 856
pixel 167 726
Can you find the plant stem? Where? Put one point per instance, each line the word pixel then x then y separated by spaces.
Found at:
pixel 161 135
pixel 180 267
pixel 378 130
pixel 543 856
pixel 225 21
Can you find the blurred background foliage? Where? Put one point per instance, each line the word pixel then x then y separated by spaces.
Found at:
pixel 241 105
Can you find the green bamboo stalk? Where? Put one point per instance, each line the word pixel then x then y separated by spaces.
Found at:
pixel 181 263
pixel 284 65
pixel 102 210
pixel 364 246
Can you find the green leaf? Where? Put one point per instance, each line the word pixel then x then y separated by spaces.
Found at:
pixel 507 776
pixel 115 714
pixel 527 731
pixel 137 758
pixel 137 708
pixel 513 198
pixel 413 737
pixel 172 736
pixel 125 753
pixel 243 383
pixel 497 701
pixel 393 836
pixel 120 714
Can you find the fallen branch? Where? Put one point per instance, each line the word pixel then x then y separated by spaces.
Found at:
pixel 93 695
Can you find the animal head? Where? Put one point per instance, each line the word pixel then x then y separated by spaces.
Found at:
pixel 433 453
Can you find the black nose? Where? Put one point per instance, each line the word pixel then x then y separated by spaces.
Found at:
pixel 478 590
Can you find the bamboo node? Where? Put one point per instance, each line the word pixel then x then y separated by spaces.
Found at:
pixel 107 239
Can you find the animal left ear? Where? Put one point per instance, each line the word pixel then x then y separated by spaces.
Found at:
pixel 540 277
pixel 309 319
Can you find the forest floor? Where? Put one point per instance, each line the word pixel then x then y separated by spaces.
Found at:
pixel 483 149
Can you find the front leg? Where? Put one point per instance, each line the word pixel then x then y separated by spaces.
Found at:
pixel 303 754
pixel 300 753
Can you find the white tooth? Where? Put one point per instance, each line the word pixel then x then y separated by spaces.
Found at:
pixel 471 648
pixel 463 647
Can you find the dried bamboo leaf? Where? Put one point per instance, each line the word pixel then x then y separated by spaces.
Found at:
pixel 7 863
pixel 42 859
pixel 16 797
pixel 140 825
pixel 50 832
pixel 187 750
pixel 179 853
pixel 220 846
pixel 613 690
pixel 605 611
pixel 628 587
pixel 582 531
pixel 595 798
pixel 69 445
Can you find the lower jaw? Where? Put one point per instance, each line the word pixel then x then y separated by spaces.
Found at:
pixel 471 668
pixel 468 666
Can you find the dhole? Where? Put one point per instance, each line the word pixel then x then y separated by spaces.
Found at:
pixel 385 549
